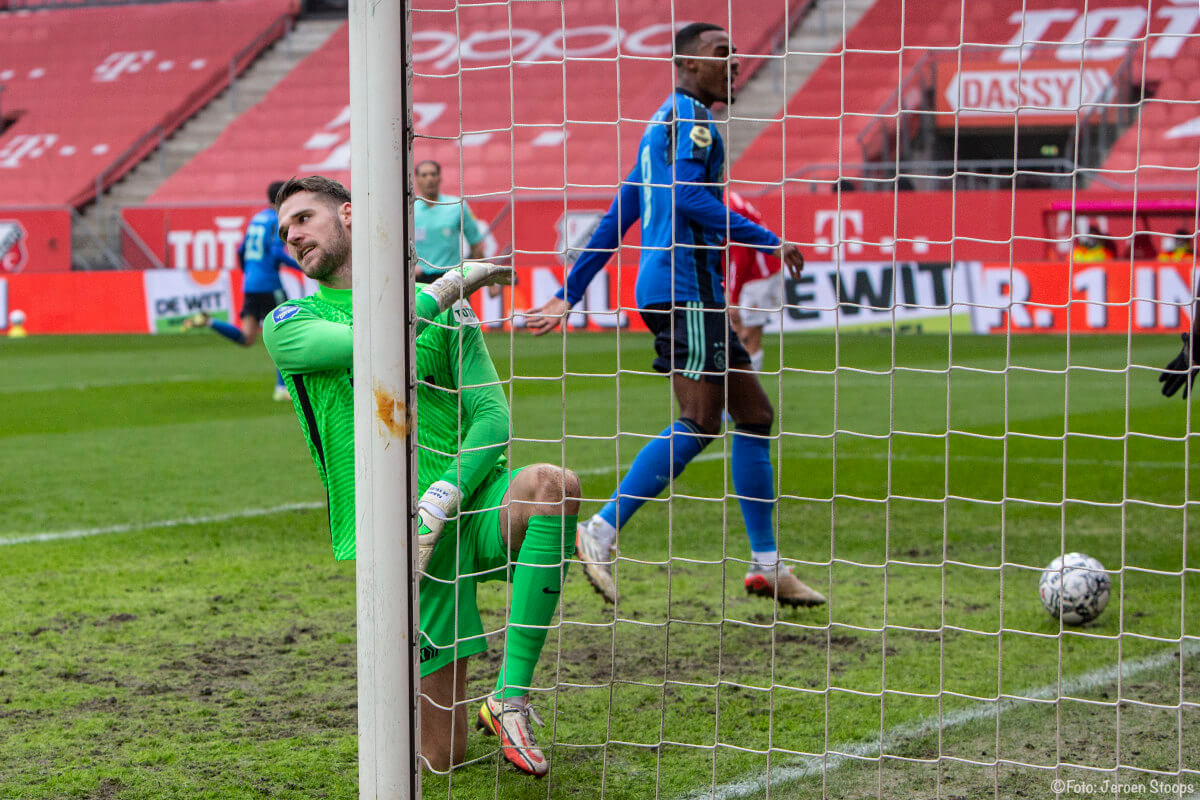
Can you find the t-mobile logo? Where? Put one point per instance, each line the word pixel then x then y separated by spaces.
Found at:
pixel 25 146
pixel 121 63
pixel 839 229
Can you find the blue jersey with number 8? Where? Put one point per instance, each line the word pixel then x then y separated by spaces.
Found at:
pixel 676 189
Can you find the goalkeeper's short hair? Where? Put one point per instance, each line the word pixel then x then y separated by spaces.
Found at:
pixel 332 191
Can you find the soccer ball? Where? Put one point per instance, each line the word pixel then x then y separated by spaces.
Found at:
pixel 1075 585
pixel 16 317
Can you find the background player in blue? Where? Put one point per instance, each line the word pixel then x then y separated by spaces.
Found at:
pixel 676 191
pixel 259 255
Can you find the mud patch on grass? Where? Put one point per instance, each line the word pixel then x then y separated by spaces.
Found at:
pixel 109 789
pixel 275 688
pixel 296 682
pixel 698 652
pixel 60 623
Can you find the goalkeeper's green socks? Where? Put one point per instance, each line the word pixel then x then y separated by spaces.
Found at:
pixel 537 579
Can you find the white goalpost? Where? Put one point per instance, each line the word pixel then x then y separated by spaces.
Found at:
pixel 385 451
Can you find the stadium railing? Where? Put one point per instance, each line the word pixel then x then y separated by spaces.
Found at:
pixel 933 175
pixel 899 113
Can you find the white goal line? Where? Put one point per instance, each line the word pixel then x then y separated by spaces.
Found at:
pixel 841 753
pixel 129 527
pixel 716 455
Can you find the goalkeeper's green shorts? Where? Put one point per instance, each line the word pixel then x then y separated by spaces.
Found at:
pixel 450 625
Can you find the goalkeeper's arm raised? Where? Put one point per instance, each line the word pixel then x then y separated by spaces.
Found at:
pixel 310 344
pixel 457 284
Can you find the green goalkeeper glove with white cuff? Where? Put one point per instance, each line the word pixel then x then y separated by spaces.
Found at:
pixel 458 284
pixel 438 504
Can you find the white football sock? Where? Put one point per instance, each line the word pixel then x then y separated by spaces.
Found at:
pixel 599 527
pixel 756 361
pixel 768 558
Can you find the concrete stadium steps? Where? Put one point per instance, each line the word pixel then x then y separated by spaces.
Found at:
pixel 765 96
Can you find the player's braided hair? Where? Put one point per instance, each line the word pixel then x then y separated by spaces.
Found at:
pixel 332 191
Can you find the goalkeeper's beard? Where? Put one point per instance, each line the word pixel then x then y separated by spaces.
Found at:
pixel 333 256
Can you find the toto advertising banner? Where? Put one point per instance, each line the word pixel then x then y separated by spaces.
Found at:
pixel 34 240
pixel 184 237
pixel 858 226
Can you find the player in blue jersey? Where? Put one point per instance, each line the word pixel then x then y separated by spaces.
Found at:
pixel 676 190
pixel 260 255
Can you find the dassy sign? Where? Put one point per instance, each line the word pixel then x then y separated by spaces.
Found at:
pixel 992 93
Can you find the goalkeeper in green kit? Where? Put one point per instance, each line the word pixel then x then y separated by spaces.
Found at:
pixel 478 520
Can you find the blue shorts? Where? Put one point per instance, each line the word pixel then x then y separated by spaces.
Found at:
pixel 259 304
pixel 694 340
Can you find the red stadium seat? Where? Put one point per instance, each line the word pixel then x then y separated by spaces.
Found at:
pixel 881 50
pixel 509 115
pixel 99 87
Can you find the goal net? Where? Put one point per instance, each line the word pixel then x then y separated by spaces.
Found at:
pixel 997 208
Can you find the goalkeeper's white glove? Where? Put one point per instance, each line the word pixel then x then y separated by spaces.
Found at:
pixel 461 282
pixel 438 504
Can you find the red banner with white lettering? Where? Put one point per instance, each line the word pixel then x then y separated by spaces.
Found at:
pixel 1104 297
pixel 861 226
pixel 1032 297
pixel 865 241
pixel 184 237
pixel 35 240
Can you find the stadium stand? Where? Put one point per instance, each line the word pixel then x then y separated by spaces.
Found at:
pixel 88 92
pixel 507 133
pixel 1163 146
pixel 846 114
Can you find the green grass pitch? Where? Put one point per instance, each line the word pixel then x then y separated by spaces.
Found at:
pixel 195 639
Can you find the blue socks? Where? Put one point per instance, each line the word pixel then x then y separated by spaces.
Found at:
pixel 754 482
pixel 665 457
pixel 656 464
pixel 231 332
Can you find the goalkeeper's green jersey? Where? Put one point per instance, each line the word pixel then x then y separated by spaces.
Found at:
pixel 462 413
